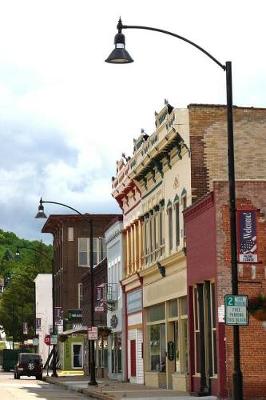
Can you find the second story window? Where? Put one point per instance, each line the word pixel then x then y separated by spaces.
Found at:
pixel 99 251
pixel 70 234
pixel 184 206
pixel 83 259
pixel 177 221
pixel 170 226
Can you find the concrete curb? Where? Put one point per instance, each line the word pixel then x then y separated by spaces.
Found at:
pixel 90 393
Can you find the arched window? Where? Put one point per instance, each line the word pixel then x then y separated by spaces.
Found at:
pixel 177 220
pixel 170 225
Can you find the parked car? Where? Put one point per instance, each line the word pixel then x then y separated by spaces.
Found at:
pixel 29 364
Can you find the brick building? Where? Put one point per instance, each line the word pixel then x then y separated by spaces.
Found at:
pixel 188 150
pixel 71 253
pixel 209 279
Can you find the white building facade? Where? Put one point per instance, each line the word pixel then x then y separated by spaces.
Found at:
pixel 115 301
pixel 44 311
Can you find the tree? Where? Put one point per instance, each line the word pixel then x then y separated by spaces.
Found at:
pixel 17 302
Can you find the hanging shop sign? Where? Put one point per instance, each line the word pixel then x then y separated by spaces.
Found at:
pixel 247 236
pixel 114 321
pixel 74 314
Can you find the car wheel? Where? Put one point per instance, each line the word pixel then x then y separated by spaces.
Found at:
pixel 15 376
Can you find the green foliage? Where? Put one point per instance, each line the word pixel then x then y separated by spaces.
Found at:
pixel 17 302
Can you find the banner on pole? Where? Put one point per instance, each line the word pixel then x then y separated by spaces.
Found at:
pixel 247 236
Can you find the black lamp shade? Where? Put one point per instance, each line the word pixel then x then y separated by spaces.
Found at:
pixel 40 213
pixel 119 55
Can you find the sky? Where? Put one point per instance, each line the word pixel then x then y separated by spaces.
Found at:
pixel 66 116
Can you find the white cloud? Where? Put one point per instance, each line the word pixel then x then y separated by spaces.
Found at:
pixel 66 116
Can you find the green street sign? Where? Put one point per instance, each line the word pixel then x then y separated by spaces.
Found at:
pixel 53 339
pixel 236 312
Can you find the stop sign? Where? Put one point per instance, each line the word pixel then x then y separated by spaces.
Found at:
pixel 47 340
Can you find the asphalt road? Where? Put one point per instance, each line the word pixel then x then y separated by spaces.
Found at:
pixel 30 389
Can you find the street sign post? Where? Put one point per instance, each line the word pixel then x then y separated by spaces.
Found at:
pixel 47 340
pixel 93 333
pixel 53 339
pixel 236 312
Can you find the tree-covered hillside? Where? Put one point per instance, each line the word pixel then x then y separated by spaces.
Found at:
pixel 20 262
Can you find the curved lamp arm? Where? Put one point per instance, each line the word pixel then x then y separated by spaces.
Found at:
pixel 120 26
pixel 60 204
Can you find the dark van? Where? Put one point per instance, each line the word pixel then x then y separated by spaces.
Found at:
pixel 29 364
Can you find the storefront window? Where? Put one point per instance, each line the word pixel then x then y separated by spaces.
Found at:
pixel 205 334
pixel 157 348
pixel 134 301
pixel 156 313
pixel 173 308
pixel 102 353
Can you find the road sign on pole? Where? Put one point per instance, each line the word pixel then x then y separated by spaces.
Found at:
pixel 93 333
pixel 47 340
pixel 236 312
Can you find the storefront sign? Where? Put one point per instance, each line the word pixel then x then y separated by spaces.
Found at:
pixel 236 310
pixel 74 314
pixel 247 241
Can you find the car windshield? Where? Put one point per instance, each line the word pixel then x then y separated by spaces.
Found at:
pixel 29 357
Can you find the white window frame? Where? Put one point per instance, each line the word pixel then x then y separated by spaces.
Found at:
pixel 70 234
pixel 72 355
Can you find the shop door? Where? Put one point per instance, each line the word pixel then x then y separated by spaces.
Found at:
pixel 133 357
pixel 77 361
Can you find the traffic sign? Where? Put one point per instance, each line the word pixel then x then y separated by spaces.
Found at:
pixel 53 339
pixel 236 312
pixel 47 340
pixel 93 333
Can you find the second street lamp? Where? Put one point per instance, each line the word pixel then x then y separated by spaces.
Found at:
pixel 120 56
pixel 41 214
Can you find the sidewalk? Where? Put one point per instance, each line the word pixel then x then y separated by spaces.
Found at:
pixel 114 390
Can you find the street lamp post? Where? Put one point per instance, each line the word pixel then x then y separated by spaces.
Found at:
pixel 54 373
pixel 120 56
pixel 41 214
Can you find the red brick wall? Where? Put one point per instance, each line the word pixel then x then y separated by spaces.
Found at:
pixel 200 241
pixel 253 338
